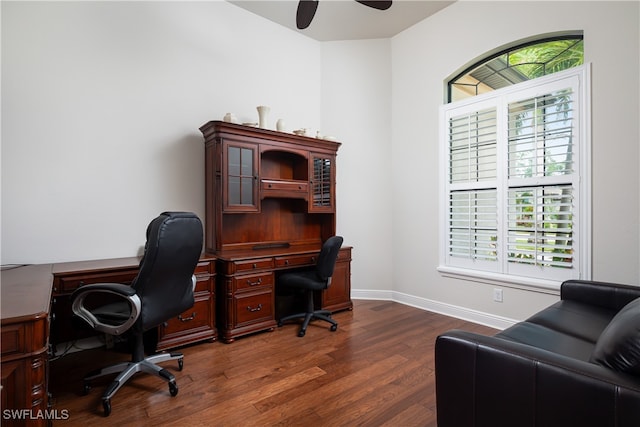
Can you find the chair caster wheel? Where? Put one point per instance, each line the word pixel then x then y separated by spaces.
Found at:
pixel 333 328
pixel 106 404
pixel 301 333
pixel 173 389
pixel 180 364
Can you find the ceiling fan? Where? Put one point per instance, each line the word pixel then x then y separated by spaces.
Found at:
pixel 307 9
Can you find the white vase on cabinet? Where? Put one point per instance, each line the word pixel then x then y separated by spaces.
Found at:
pixel 263 113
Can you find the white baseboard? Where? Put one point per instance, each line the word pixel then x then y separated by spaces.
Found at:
pixel 458 312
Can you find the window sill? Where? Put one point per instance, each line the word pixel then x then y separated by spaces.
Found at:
pixel 517 282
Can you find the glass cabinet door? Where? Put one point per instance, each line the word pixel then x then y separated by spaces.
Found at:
pixel 322 180
pixel 241 183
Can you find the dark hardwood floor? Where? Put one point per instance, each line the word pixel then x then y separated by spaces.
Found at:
pixel 377 369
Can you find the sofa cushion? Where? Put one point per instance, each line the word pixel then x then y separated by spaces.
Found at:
pixel 618 347
pixel 573 318
pixel 548 339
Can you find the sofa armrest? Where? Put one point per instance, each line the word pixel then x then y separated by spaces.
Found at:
pixel 489 381
pixel 612 296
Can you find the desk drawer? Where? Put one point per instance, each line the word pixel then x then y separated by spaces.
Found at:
pixel 296 260
pixel 252 281
pixel 68 284
pixel 253 264
pixel 285 188
pixel 254 308
pixel 196 317
pixel 205 268
pixel 13 339
pixel 204 284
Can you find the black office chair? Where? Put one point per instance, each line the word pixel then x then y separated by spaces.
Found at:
pixel 162 290
pixel 313 280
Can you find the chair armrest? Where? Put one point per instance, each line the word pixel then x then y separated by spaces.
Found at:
pixel 124 292
pixel 484 380
pixel 612 296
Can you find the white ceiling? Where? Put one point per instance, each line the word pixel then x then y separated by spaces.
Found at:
pixel 346 19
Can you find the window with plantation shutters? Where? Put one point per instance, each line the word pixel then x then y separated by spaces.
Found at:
pixel 516 182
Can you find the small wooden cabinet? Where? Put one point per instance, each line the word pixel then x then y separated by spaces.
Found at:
pixel 338 296
pixel 270 201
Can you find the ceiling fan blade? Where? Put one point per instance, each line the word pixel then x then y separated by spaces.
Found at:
pixel 306 11
pixel 380 5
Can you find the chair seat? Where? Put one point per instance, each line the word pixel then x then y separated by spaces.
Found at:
pixel 307 280
pixel 113 314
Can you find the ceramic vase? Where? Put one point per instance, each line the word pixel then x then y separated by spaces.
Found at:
pixel 263 113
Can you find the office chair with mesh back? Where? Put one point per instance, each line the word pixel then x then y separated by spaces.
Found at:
pixel 162 290
pixel 313 280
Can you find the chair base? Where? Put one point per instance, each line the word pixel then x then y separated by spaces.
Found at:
pixel 308 317
pixel 126 370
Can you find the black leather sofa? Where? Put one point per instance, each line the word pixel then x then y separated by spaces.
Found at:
pixel 576 363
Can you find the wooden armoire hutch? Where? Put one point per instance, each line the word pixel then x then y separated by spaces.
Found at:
pixel 270 203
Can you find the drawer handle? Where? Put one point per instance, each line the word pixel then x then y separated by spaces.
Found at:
pixel 254 309
pixel 286 262
pixel 187 319
pixel 256 283
pixel 254 266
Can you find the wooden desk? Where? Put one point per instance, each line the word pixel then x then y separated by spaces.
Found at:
pixel 246 286
pixel 33 295
pixel 197 324
pixel 26 296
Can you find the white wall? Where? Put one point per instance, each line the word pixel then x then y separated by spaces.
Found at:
pixel 424 56
pixel 101 105
pixel 356 106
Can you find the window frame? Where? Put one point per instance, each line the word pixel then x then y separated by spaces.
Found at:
pixel 582 225
pixel 575 36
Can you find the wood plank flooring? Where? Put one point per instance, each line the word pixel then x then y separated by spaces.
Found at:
pixel 377 369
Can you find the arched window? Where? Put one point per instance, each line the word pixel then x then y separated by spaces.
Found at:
pixel 516 65
pixel 515 148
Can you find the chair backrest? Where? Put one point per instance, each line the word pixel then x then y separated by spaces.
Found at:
pixel 327 258
pixel 172 251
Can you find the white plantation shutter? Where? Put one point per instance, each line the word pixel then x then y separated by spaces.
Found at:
pixel 540 228
pixel 513 190
pixel 472 147
pixel 473 206
pixel 473 224
pixel 540 136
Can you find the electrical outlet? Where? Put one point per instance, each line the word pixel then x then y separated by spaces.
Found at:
pixel 497 295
